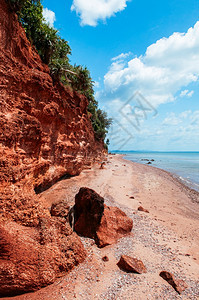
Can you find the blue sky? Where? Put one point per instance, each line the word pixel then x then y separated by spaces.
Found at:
pixel 144 58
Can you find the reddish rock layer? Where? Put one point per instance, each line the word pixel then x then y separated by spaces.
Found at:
pixel 45 133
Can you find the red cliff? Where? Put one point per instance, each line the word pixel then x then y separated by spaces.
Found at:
pixel 45 133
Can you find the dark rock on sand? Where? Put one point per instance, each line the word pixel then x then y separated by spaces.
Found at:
pixel 95 220
pixel 131 264
pixel 105 258
pixel 88 211
pixel 178 285
pixel 140 208
pixel 102 165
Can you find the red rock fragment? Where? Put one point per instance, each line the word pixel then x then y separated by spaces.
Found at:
pixel 131 264
pixel 140 208
pixel 114 225
pixel 102 165
pixel 178 285
pixel 105 258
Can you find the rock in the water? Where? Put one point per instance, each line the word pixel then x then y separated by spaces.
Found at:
pixel 140 208
pixel 114 225
pixel 95 220
pixel 89 208
pixel 131 264
pixel 178 285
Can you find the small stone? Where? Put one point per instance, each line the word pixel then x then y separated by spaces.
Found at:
pixel 178 285
pixel 102 165
pixel 140 208
pixel 105 258
pixel 131 264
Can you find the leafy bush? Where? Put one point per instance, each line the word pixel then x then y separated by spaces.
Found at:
pixel 54 51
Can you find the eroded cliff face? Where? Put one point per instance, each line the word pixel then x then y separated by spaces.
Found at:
pixel 45 133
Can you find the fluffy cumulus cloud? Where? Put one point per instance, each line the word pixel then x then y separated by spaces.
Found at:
pixel 91 12
pixel 167 66
pixel 49 16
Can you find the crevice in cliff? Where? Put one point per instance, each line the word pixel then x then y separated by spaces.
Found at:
pixel 46 185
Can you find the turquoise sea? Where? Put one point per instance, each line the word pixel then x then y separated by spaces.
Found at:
pixel 184 165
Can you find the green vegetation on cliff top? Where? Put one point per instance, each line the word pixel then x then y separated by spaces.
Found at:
pixel 54 52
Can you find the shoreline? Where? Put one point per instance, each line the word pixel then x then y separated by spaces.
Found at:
pixel 192 193
pixel 193 185
pixel 166 238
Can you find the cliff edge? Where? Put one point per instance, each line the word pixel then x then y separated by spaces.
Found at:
pixel 45 133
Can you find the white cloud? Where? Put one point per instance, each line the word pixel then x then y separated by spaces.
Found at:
pixel 190 94
pixel 172 119
pixel 122 56
pixel 186 93
pixel 185 114
pixel 92 11
pixel 187 118
pixel 167 66
pixel 49 16
pixel 195 119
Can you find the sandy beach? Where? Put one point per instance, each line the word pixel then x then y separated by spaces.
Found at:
pixel 166 238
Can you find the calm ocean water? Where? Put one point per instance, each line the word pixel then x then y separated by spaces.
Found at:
pixel 183 164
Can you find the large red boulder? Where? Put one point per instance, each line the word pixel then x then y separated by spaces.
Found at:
pixel 31 258
pixel 95 220
pixel 89 208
